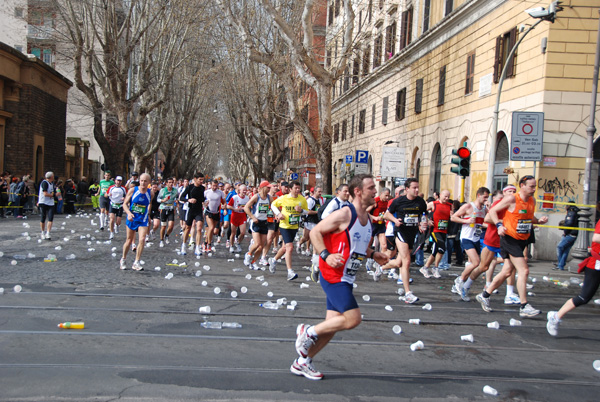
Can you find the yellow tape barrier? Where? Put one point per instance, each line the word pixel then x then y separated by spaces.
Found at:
pixel 564 227
pixel 565 203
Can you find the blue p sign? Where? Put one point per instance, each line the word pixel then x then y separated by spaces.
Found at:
pixel 362 156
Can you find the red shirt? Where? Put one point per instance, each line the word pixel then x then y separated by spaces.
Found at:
pixel 441 216
pixel 491 234
pixel 381 207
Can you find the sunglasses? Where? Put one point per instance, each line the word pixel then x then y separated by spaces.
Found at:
pixel 525 178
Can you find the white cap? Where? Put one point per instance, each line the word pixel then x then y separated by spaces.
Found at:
pixel 119 178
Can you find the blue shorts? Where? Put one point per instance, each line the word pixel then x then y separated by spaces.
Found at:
pixel 495 250
pixel 339 296
pixel 288 235
pixel 135 224
pixel 467 244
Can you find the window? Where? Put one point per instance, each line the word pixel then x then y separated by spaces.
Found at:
pixel 370 10
pixel 352 127
pixel 355 70
pixel 470 73
pixel 390 40
pixel 346 79
pixel 336 132
pixel 419 96
pixel 18 12
pixel 344 129
pixel 381 4
pixel 337 8
pixel 377 51
pixel 442 86
pixel 449 7
pixel 426 11
pixel 373 116
pixel 366 60
pixel 406 29
pixel 328 59
pixel 401 104
pixel 359 20
pixel 384 111
pixel 504 44
pixel 335 51
pixel 362 120
pixel 330 16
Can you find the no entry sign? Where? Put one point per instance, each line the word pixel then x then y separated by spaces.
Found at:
pixel 527 136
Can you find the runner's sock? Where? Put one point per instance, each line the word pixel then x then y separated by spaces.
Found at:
pixel 485 294
pixel 510 290
pixel 304 360
pixel 468 283
pixel 311 331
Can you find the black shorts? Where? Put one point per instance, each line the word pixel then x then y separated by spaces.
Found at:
pixel 274 226
pixel 288 235
pixel 509 246
pixel 378 228
pixel 215 217
pixel 192 216
pixel 182 213
pixel 261 227
pixel 407 236
pixel 439 247
pixel 104 203
pixel 117 211
pixel 531 239
pixel 155 214
pixel 46 211
pixel 167 215
pixel 391 242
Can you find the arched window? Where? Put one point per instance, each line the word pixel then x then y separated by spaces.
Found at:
pixel 436 169
pixel 502 159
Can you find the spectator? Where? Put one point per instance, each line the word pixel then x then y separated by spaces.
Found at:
pixel 569 236
pixel 4 188
pixel 31 194
pixel 13 198
pixel 58 196
pixel 94 191
pixel 82 193
pixel 70 197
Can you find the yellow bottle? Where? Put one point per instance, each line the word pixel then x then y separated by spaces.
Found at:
pixel 71 325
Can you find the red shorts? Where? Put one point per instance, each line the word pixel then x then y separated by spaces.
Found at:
pixel 238 218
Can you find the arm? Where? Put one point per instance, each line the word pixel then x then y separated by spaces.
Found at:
pixel 504 204
pixel 248 208
pixel 126 202
pixel 334 223
pixel 596 238
pixel 541 221
pixel 462 211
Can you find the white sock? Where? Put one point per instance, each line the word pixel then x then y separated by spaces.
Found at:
pixel 510 290
pixel 311 331
pixel 304 360
pixel 468 283
pixel 487 284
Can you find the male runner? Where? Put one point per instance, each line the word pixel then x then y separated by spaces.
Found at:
pixel 194 195
pixel 238 217
pixel 409 209
pixel 46 205
pixel 441 216
pixel 314 203
pixel 272 226
pixel 215 199
pixel 377 210
pixel 167 198
pixel 104 202
pixel 183 206
pixel 342 194
pixel 514 230
pixel 257 209
pixel 116 194
pixel 154 213
pixel 342 241
pixel 137 207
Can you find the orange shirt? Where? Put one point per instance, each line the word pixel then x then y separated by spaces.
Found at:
pixel 519 222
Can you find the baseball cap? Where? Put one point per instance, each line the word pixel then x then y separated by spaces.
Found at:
pixel 312 189
pixel 284 183
pixel 135 174
pixel 119 178
pixel 264 184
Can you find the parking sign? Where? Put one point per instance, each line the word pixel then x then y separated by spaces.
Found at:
pixel 362 156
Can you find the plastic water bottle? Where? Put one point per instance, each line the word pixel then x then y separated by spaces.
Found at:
pixel 231 325
pixel 70 257
pixel 212 324
pixel 424 220
pixel 269 305
pixel 71 325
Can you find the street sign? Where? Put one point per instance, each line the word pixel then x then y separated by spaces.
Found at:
pixel 361 168
pixel 362 156
pixel 294 176
pixel 348 159
pixel 527 136
pixel 393 162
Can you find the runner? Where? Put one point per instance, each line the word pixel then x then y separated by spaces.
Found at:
pixel 182 206
pixel 232 192
pixel 288 209
pixel 137 205
pixel 272 226
pixel 194 196
pixel 46 205
pixel 116 194
pixel 154 213
pixel 471 216
pixel 342 195
pixel 215 198
pixel 257 209
pixel 377 210
pixel 167 197
pixel 238 217
pixel 409 209
pixel 342 241
pixel 441 217
pixel 313 202
pixel 104 201
pixel 514 231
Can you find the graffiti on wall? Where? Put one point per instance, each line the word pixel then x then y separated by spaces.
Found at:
pixel 564 187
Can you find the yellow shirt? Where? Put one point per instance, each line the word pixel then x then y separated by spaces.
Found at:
pixel 286 204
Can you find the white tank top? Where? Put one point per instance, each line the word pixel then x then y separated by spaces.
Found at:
pixel 261 208
pixel 472 231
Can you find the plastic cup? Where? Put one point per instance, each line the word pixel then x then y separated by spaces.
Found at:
pixel 169 275
pixel 489 390
pixel 493 325
pixel 217 290
pixel 290 307
pixel 303 285
pixel 366 298
pixel 397 329
pixel 417 346
pixel 198 273
pixel 204 283
pixel 414 321
pixel 389 308
pixel 204 309
pixel 265 284
pixel 17 289
pixel 244 289
pixel 427 307
pixel 514 323
pixel 596 365
pixel 269 294
pixel 157 269
pixel 234 294
pixel 467 338
pixel 248 276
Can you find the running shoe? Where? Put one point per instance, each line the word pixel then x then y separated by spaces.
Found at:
pixel 553 322
pixel 378 272
pixel 512 299
pixel 198 251
pixel 425 272
pixel 117 228
pixel 307 370
pixel 458 285
pixel 111 236
pixel 218 239
pixel 436 273
pixel 272 265
pixel 227 244
pixel 101 227
pixel 161 244
pixel 122 264
pixel 238 248
pixel 401 282
pixel 247 259
pixel 298 247
pixel 291 275
pixel 528 311
pixel 133 246
pixel 263 261
pixel 167 239
pixel 485 302
pixel 303 340
pixel 410 298
pixel 464 294
pixel 314 272
pixel 137 266
pixel 48 237
pixel 231 249
pixel 183 251
pixel 369 264
pixel 254 266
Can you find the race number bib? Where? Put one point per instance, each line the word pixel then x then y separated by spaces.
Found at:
pixel 294 219
pixel 442 224
pixel 478 230
pixel 524 226
pixel 138 209
pixel 263 208
pixel 116 206
pixel 411 220
pixel 356 260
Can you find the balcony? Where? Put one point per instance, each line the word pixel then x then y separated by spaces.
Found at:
pixel 39 32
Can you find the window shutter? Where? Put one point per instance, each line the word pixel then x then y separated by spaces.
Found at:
pixel 384 111
pixel 419 96
pixel 498 60
pixel 442 86
pixel 512 39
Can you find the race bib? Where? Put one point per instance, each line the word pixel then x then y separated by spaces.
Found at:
pixel 116 206
pixel 597 266
pixel 356 260
pixel 524 226
pixel 263 208
pixel 138 209
pixel 411 219
pixel 478 230
pixel 442 224
pixel 294 219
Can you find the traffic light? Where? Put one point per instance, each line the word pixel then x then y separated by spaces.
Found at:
pixel 463 162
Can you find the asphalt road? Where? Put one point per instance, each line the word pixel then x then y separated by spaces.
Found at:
pixel 143 339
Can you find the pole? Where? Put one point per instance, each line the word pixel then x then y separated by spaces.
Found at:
pixel 462 189
pixel 583 241
pixel 492 155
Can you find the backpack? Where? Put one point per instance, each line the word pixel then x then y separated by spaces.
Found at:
pixel 323 207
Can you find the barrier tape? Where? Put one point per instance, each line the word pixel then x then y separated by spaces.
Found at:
pixel 565 203
pixel 564 227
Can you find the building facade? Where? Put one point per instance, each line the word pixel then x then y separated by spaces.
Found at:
pixel 424 78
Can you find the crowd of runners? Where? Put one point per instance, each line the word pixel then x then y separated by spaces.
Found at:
pixel 385 233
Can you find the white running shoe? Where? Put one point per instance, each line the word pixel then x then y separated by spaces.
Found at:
pixel 307 370
pixel 133 246
pixel 123 264
pixel 247 259
pixel 553 323
pixel 410 298
pixel 231 250
pixel 436 273
pixel 485 302
pixel 263 261
pixel 198 251
pixel 303 340
pixel 272 265
pixel 512 299
pixel 167 239
pixel 161 244
pixel 291 275
pixel 111 236
pixel 254 266
pixel 137 266
pixel 425 272
pixel 183 251
pixel 117 228
pixel 528 311
pixel 238 248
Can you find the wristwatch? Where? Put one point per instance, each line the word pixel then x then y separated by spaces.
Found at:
pixel 324 254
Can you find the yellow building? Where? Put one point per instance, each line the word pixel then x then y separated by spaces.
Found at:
pixel 424 77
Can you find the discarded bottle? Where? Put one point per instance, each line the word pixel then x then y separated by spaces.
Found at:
pixel 19 256
pixel 212 324
pixel 304 285
pixel 232 325
pixel 71 325
pixel 489 390
pixel 30 255
pixel 281 301
pixel 269 305
pixel 414 321
pixel 417 346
